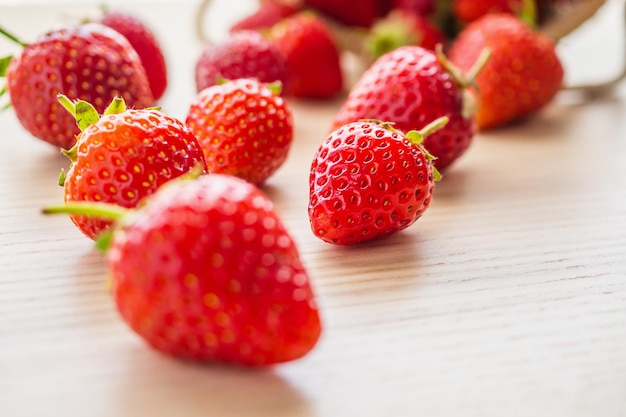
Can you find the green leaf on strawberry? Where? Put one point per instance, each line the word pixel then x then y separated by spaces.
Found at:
pixel 4 64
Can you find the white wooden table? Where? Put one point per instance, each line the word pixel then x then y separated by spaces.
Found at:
pixel 508 298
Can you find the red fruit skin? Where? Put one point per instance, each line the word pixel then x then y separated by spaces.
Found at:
pixel 311 54
pixel 523 74
pixel 348 12
pixel 410 88
pixel 123 158
pixel 208 272
pixel 91 62
pixel 267 15
pixel 428 34
pixel 244 128
pixel 246 54
pixel 147 46
pixel 421 7
pixel 367 182
pixel 469 10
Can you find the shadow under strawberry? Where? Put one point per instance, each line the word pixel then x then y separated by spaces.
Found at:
pixel 210 389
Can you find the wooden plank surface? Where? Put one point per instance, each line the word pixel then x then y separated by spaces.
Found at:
pixel 508 298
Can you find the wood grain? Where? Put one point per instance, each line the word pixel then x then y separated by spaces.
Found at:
pixel 507 298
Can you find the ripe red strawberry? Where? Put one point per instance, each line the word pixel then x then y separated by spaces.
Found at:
pixel 266 15
pixel 312 56
pixel 124 156
pixel 206 270
pixel 349 13
pixel 90 62
pixel 368 181
pixel 523 74
pixel 410 87
pixel 400 28
pixel 147 46
pixel 245 54
pixel 244 127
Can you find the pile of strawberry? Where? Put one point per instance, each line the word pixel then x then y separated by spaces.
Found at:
pixel 200 263
pixel 522 76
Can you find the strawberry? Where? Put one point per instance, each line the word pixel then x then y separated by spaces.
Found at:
pixel 90 62
pixel 311 54
pixel 266 15
pixel 523 74
pixel 369 180
pixel 245 54
pixel 147 46
pixel 348 13
pixel 244 127
pixel 399 28
pixel 410 87
pixel 124 156
pixel 205 270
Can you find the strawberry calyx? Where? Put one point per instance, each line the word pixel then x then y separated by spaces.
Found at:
pixel 389 34
pixel 416 137
pixel 468 79
pixel 86 115
pixel 465 81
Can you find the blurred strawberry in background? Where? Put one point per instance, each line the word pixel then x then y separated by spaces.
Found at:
pixel 312 56
pixel 245 54
pixel 145 43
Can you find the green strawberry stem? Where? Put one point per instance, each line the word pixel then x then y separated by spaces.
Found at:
pixel 93 209
pixel 12 37
pixel 417 137
pixel 469 78
pixel 481 61
pixel 434 126
pixel 89 209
